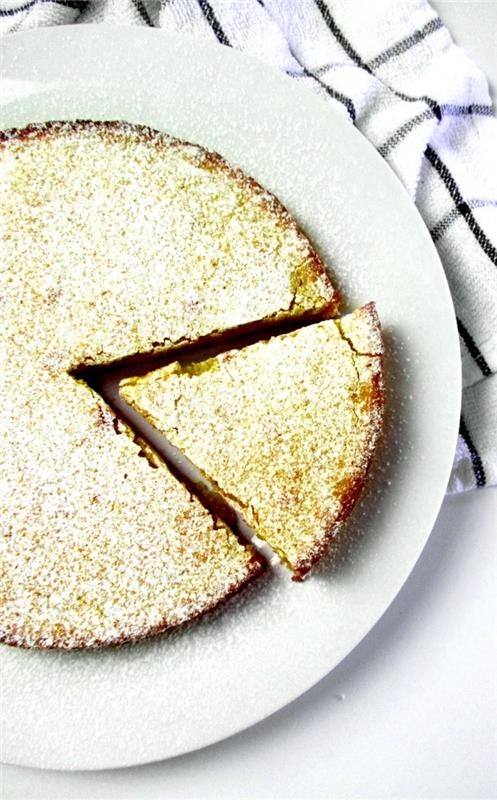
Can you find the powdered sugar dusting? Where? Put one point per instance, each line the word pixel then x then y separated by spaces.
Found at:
pixel 119 241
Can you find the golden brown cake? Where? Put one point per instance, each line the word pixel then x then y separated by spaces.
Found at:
pixel 118 240
pixel 284 429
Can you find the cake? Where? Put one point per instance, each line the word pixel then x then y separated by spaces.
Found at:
pixel 119 244
pixel 118 241
pixel 283 429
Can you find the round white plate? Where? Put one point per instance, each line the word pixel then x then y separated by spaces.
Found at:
pixel 173 694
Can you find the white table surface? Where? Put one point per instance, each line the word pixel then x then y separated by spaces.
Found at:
pixel 412 711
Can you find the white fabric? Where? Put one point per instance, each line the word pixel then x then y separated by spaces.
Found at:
pixel 392 68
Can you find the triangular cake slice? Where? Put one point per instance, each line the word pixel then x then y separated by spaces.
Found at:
pixel 284 428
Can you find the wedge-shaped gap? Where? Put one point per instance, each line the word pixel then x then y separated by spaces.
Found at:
pixel 193 358
pixel 213 344
pixel 105 379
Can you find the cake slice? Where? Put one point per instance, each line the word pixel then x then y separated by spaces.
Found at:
pixel 284 428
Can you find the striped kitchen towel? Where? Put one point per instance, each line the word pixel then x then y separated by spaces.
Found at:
pixel 393 70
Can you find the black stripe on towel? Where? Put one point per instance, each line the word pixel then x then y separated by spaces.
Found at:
pixel 407 43
pixel 473 349
pixel 441 228
pixel 11 12
pixel 476 461
pixel 140 7
pixel 339 36
pixel 473 109
pixel 213 21
pixel 462 207
pixel 436 110
pixel 402 132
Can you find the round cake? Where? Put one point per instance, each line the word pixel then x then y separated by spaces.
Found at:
pixel 119 240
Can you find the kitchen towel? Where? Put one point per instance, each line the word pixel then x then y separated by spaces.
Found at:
pixel 393 70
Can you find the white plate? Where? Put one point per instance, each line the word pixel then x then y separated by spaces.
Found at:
pixel 173 694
